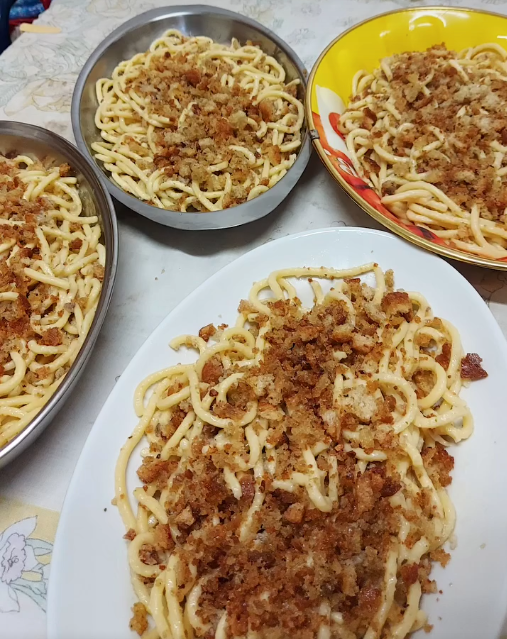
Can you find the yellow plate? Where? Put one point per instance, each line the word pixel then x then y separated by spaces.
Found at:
pixel 362 47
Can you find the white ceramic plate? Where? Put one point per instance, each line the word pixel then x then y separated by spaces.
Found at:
pixel 90 594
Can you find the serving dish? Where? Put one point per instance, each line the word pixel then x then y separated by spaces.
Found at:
pixel 329 89
pixel 101 582
pixel 135 36
pixel 33 141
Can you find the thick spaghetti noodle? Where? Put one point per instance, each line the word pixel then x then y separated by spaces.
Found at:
pixel 193 125
pixel 51 271
pixel 428 131
pixel 294 483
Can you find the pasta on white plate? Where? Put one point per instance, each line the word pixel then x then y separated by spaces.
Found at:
pixel 428 131
pixel 194 125
pixel 294 476
pixel 51 271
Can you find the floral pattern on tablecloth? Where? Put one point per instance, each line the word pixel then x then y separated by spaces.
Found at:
pixel 26 543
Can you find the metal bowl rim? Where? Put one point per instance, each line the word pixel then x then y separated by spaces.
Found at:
pixel 104 204
pixel 188 220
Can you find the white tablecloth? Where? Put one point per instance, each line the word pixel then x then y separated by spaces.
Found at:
pixel 158 266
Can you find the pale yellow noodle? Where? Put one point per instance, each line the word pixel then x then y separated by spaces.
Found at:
pixel 123 112
pixel 34 371
pixel 417 200
pixel 441 411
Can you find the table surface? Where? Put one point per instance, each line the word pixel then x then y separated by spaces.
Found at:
pixel 158 266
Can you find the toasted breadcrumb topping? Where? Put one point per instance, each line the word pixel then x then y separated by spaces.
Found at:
pixel 19 220
pixel 50 274
pixel 469 108
pixel 297 557
pixel 208 122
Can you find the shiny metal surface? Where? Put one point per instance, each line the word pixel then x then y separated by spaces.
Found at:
pixel 135 36
pixel 34 141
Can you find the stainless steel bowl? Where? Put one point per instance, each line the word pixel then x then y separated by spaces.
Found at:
pixel 135 36
pixel 34 141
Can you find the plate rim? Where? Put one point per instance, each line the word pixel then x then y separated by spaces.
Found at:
pixel 455 254
pixel 58 556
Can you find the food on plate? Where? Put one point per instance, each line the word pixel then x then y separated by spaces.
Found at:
pixel 51 271
pixel 428 131
pixel 194 125
pixel 294 476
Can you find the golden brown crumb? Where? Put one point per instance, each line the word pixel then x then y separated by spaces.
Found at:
pixel 439 464
pixel 202 119
pixel 212 370
pixel 139 621
pixel 98 272
pixel 75 245
pixel 471 115
pixel 163 537
pixel 297 556
pixel 207 331
pixel 65 170
pixel 52 337
pixel 409 573
pixel 15 315
pixel 155 470
pixel 441 556
pixel 397 303
pixel 43 372
pixel 471 367
pixel 445 356
pixel 148 555
pixel 297 372
pixel 294 513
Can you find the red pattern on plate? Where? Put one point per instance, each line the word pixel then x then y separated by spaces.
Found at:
pixel 345 168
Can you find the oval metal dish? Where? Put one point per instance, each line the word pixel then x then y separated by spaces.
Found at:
pixel 16 137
